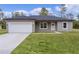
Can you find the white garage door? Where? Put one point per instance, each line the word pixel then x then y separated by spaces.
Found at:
pixel 20 27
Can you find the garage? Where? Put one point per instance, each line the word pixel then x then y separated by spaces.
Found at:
pixel 20 27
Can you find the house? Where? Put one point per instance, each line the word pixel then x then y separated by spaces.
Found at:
pixel 38 24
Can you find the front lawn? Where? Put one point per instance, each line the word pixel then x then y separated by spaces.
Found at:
pixel 3 31
pixel 67 42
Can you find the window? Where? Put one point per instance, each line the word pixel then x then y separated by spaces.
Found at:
pixel 43 25
pixel 64 25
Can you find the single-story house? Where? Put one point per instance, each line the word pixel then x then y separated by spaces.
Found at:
pixel 38 24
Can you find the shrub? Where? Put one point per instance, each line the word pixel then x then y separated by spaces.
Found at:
pixel 76 24
pixel 3 24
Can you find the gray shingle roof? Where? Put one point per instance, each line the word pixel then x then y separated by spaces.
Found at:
pixel 38 18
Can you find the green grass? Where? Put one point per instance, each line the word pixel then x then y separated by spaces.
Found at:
pixel 65 43
pixel 3 31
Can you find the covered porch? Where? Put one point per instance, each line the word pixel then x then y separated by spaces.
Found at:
pixel 45 26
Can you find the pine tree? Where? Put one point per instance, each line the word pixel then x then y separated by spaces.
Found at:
pixel 44 12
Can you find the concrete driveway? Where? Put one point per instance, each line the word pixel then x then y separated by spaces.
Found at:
pixel 10 41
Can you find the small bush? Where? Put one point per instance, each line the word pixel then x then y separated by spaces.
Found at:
pixel 3 24
pixel 76 24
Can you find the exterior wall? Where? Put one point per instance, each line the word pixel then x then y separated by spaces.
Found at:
pixel 38 29
pixel 33 26
pixel 60 26
pixel 36 26
pixel 33 23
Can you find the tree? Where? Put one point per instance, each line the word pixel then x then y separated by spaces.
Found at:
pixel 78 16
pixel 1 14
pixel 76 24
pixel 2 22
pixel 70 16
pixel 63 10
pixel 44 12
pixel 15 14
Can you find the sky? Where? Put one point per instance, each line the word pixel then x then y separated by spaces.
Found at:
pixel 34 9
pixel 29 9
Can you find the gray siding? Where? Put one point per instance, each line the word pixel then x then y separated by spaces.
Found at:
pixel 37 27
pixel 33 26
pixel 60 26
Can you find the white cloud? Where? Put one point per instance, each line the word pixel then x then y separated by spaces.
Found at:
pixel 36 11
pixel 50 10
pixel 7 14
pixel 73 8
pixel 24 11
pixel 70 8
pixel 57 8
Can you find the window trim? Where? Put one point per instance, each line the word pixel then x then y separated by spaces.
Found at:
pixel 66 25
pixel 43 23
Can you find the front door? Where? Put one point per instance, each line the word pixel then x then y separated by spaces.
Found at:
pixel 52 26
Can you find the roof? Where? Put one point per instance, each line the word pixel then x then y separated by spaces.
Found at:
pixel 38 18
